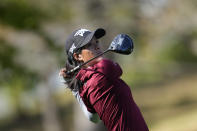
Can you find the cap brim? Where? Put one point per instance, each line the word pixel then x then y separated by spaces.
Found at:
pixel 98 33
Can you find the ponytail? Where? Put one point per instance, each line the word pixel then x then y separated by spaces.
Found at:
pixel 71 80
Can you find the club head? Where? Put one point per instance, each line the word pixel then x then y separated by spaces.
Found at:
pixel 122 44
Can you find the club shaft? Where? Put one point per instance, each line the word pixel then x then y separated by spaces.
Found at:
pixel 79 66
pixel 94 58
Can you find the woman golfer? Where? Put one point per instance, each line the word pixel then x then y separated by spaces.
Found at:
pixel 100 91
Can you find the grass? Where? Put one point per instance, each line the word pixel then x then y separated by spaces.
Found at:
pixel 171 106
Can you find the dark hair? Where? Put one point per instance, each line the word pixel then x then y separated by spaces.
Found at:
pixel 71 81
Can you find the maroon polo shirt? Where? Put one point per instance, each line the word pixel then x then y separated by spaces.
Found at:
pixel 107 94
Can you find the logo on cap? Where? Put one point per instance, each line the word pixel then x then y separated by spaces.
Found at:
pixel 72 48
pixel 81 32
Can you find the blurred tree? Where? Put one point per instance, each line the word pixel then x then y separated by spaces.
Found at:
pixel 164 32
pixel 11 71
pixel 20 14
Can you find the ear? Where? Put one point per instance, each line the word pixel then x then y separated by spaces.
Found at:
pixel 78 57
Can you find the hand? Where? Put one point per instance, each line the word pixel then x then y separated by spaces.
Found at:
pixel 64 77
pixel 63 72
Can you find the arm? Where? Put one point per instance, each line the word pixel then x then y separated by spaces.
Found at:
pixel 91 116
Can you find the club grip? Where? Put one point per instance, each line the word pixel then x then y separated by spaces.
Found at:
pixel 72 70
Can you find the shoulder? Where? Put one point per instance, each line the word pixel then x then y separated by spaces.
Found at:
pixel 108 67
pixel 106 63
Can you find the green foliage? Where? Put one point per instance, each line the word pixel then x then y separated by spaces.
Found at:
pixel 6 54
pixel 20 14
pixel 118 17
pixel 12 73
pixel 178 52
pixel 140 76
pixel 180 49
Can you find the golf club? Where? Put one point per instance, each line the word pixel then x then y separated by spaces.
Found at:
pixel 121 44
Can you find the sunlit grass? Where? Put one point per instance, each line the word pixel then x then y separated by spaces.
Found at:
pixel 171 106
